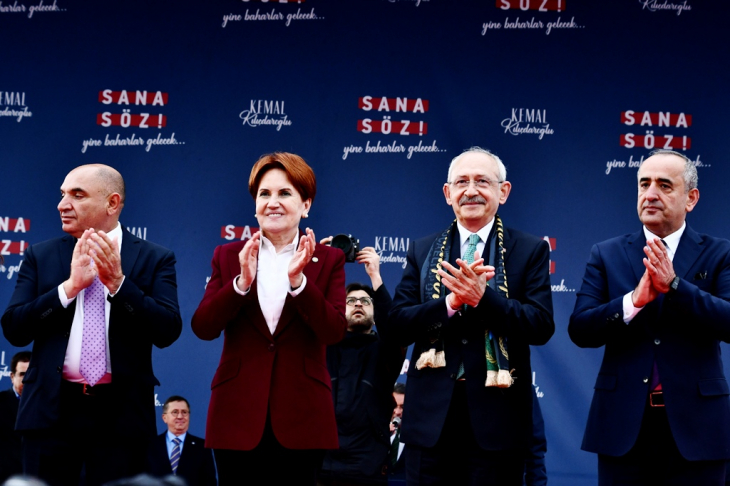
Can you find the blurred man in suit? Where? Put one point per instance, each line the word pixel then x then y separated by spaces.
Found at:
pixel 178 452
pixel 10 458
pixel 397 469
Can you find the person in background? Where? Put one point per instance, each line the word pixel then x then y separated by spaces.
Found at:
pixel 10 458
pixel 178 452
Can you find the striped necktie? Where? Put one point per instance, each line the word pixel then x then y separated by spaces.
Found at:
pixel 175 456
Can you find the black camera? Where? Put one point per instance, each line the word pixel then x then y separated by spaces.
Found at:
pixel 347 244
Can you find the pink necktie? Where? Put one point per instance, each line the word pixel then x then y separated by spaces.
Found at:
pixel 93 342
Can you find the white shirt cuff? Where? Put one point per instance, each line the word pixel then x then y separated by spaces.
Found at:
pixel 239 291
pixel 65 301
pixel 299 289
pixel 629 310
pixel 119 288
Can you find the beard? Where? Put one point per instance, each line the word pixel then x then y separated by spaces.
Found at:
pixel 360 323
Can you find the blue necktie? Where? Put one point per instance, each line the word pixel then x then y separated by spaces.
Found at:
pixel 175 456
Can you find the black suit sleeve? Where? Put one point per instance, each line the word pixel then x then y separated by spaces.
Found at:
pixel 34 309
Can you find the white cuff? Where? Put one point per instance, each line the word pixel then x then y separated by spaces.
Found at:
pixel 65 301
pixel 629 310
pixel 299 289
pixel 239 291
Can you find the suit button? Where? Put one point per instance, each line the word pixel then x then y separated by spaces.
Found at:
pixel 464 341
pixel 272 346
pixel 58 369
pixel 452 376
pixel 616 315
pixel 657 341
pixel 646 379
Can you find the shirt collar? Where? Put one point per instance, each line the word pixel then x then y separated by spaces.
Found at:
pixel 171 436
pixel 116 233
pixel 483 232
pixel 672 240
pixel 269 246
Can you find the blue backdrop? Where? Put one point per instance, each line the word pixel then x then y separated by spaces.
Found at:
pixel 377 95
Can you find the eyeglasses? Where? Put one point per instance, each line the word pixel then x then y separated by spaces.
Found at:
pixel 366 301
pixel 175 413
pixel 480 183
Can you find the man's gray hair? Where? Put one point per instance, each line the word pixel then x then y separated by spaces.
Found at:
pixel 690 176
pixel 500 165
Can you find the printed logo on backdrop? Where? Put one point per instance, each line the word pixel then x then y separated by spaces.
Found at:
pixel 265 113
pixel 651 131
pixel 540 15
pixel 400 119
pixel 665 6
pixel 280 12
pixel 5 366
pixel 30 8
pixel 561 287
pixel 536 387
pixel 392 249
pixel 135 119
pixel 12 105
pixel 12 244
pixel 138 231
pixel 527 121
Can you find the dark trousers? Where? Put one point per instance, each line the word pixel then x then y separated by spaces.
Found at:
pixel 268 463
pixel 655 460
pixel 82 441
pixel 457 459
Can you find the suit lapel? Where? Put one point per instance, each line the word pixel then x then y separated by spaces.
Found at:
pixel 688 251
pixel 129 252
pixel 635 253
pixel 185 455
pixel 66 252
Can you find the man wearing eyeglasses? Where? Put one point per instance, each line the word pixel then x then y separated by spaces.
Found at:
pixel 473 298
pixel 363 368
pixel 179 453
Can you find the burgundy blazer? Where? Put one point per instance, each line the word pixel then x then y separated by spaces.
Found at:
pixel 284 374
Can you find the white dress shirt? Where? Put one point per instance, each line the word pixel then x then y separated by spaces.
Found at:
pixel 73 350
pixel 272 273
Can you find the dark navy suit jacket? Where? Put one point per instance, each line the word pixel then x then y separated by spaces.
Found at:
pixel 680 330
pixel 196 464
pixel 501 417
pixel 143 312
